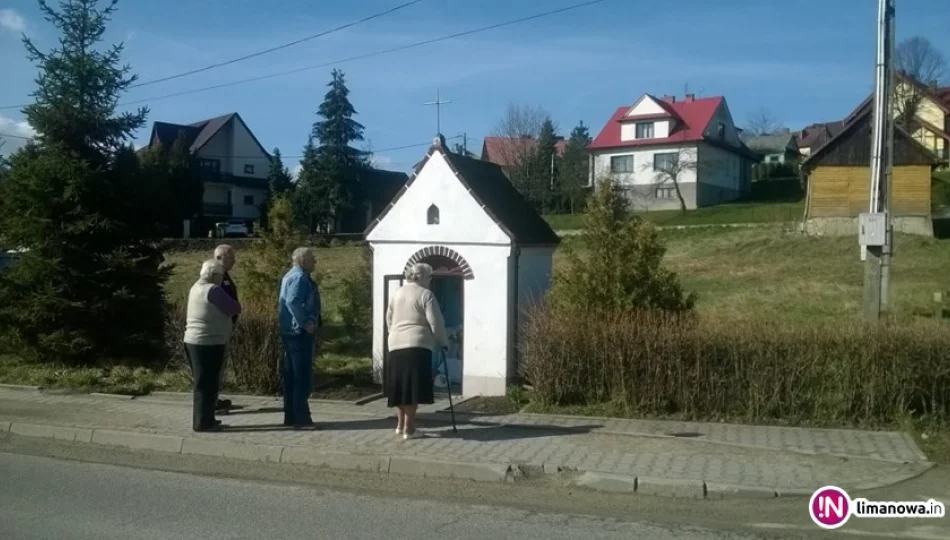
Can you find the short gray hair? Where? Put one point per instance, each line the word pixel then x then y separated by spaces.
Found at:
pixel 222 249
pixel 298 255
pixel 209 268
pixel 418 272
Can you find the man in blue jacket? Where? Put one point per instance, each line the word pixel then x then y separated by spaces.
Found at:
pixel 299 315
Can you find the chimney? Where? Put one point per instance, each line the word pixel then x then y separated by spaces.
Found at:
pixel 439 142
pixel 669 99
pixel 690 98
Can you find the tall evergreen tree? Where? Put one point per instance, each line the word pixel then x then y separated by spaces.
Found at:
pixel 313 196
pixel 176 170
pixel 546 167
pixel 90 285
pixel 279 180
pixel 280 185
pixel 575 169
pixel 328 181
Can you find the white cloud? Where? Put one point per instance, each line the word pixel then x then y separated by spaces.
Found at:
pixel 295 171
pixel 381 162
pixel 12 21
pixel 14 134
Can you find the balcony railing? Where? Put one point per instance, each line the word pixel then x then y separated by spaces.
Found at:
pixel 217 210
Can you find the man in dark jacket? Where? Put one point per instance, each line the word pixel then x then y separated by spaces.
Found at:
pixel 225 254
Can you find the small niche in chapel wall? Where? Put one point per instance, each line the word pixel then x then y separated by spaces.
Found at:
pixel 432 215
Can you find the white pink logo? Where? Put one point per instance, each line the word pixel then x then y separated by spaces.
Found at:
pixel 830 507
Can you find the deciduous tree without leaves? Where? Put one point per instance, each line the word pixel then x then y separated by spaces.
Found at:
pixel 919 60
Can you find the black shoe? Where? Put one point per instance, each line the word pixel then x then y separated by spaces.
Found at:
pixel 222 404
pixel 309 426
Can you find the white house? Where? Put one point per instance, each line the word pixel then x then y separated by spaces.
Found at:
pixel 234 164
pixel 492 253
pixel 653 145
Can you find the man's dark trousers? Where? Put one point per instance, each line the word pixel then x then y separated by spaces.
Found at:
pixel 206 361
pixel 298 378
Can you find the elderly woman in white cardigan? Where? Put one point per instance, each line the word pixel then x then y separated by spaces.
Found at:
pixel 208 327
pixel 415 324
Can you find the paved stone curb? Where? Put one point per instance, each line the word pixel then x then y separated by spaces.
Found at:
pixel 20 387
pixel 121 397
pixel 668 487
pixel 401 465
pixel 295 455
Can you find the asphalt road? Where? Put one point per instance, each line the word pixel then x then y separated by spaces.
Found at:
pixel 59 489
pixel 48 498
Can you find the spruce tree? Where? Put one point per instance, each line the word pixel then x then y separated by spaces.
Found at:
pixel 575 169
pixel 279 184
pixel 312 205
pixel 329 179
pixel 89 287
pixel 546 167
pixel 176 169
pixel 621 268
pixel 279 180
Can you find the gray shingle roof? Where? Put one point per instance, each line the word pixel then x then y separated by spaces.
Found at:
pixel 769 144
pixel 196 135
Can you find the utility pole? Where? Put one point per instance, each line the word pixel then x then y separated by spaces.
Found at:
pixel 438 111
pixel 875 228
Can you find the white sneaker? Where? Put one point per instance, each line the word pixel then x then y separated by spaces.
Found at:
pixel 398 431
pixel 413 435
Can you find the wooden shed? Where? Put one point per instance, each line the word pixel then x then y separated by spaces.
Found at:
pixel 837 177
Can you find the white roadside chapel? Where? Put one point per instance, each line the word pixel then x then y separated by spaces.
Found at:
pixel 491 252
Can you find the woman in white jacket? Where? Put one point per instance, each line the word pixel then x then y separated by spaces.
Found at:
pixel 208 327
pixel 415 324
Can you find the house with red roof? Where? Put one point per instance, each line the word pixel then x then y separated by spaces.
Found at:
pixel 658 144
pixel 508 151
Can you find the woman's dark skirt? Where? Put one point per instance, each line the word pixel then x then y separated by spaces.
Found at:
pixel 409 377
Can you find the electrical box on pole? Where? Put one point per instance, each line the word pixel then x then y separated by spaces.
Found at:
pixel 872 229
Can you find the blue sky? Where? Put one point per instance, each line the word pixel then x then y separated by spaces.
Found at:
pixel 803 60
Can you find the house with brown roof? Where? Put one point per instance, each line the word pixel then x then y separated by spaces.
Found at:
pixel 930 124
pixel 810 138
pixel 658 149
pixel 837 178
pixel 234 165
pixel 509 151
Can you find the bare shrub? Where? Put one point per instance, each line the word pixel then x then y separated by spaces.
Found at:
pixel 650 363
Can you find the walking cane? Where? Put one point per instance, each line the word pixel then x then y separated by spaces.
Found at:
pixel 448 387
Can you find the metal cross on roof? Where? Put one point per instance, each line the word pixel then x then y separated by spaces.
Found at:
pixel 438 111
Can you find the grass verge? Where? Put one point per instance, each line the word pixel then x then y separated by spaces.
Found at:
pixel 725 214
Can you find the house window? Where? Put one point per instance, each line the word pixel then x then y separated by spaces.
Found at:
pixel 721 130
pixel 209 166
pixel 432 215
pixel 644 130
pixel 664 162
pixel 249 200
pixel 248 169
pixel 666 193
pixel 621 164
